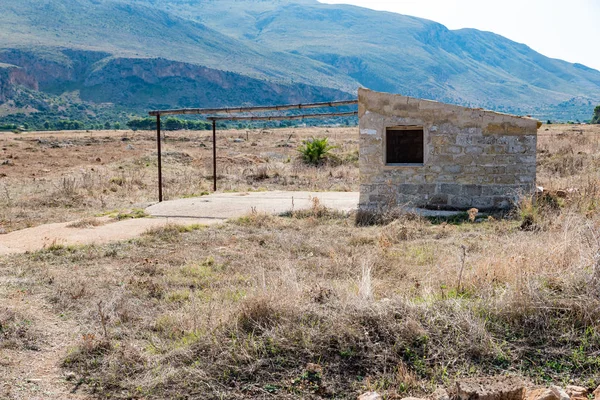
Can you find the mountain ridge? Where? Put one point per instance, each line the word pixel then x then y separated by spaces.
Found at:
pixel 332 49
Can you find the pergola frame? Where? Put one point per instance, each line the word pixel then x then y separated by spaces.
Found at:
pixel 239 110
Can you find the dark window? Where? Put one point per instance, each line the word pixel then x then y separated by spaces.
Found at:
pixel 404 145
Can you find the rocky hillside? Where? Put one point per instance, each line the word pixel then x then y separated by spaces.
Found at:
pixel 146 53
pixel 11 77
pixel 144 83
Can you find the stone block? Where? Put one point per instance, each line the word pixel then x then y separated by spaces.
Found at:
pixel 460 202
pixel 442 159
pixel 465 140
pixel 434 168
pixel 370 396
pixel 440 140
pixel 559 392
pixel 505 179
pixel 443 178
pixel 464 160
pixel 427 189
pixel 452 149
pixel 497 190
pixel 506 159
pixel 473 150
pixel 485 140
pixel 453 169
pixel 431 178
pixel 440 199
pixel 449 188
pixel 540 394
pixel 528 159
pixel 500 388
pixel 517 169
pixel 506 128
pixel 439 394
pixel 496 149
pixel 576 392
pixel 485 179
pixel 526 178
pixel 494 170
pixel 503 203
pixel 471 190
pixel 473 169
pixel 517 149
pixel 408 189
pixel 464 179
pixel 482 202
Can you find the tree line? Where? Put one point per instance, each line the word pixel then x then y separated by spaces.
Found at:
pixel 143 124
pixel 169 124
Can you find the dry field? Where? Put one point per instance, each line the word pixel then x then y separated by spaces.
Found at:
pixel 301 306
pixel 62 176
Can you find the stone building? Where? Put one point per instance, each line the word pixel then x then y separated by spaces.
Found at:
pixel 421 153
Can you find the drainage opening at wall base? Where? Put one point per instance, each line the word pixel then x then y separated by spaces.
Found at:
pixel 405 145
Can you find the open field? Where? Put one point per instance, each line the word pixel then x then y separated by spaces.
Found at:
pixel 306 305
pixel 56 177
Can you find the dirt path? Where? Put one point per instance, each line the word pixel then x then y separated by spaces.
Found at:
pixel 35 373
pixel 205 210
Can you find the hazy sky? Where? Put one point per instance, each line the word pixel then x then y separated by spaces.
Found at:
pixel 565 29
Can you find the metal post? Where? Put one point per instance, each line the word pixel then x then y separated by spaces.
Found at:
pixel 214 155
pixel 160 185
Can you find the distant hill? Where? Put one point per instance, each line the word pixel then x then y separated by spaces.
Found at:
pixel 142 54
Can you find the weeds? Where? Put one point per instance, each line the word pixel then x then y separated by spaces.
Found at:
pixel 15 331
pixel 133 214
pixel 315 150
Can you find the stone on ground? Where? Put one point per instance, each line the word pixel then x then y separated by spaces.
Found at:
pixel 559 392
pixel 439 394
pixel 498 388
pixel 576 392
pixel 596 393
pixel 540 394
pixel 370 396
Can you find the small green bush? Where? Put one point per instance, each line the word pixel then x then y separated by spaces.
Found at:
pixel 315 150
pixel 596 118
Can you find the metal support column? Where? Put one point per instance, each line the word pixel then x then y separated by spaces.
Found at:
pixel 214 155
pixel 158 143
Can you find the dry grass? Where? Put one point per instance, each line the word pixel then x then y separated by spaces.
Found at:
pixel 15 331
pixel 310 305
pixel 74 175
pixel 86 223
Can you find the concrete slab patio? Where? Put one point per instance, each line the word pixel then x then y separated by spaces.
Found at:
pixel 232 205
pixel 205 210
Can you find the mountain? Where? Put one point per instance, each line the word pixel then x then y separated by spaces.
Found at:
pixel 142 54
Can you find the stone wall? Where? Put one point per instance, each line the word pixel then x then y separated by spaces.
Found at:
pixel 472 157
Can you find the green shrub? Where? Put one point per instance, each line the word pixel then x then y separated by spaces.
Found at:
pixel 315 150
pixel 596 118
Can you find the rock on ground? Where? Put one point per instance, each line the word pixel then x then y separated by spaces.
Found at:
pixel 439 394
pixel 577 392
pixel 497 388
pixel 559 392
pixel 540 394
pixel 370 396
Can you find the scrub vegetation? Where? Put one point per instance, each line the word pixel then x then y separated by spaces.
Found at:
pixel 307 304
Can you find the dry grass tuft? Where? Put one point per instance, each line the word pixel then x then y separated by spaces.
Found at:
pixel 86 223
pixel 15 331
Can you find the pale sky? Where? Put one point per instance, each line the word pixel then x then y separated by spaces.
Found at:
pixel 565 29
